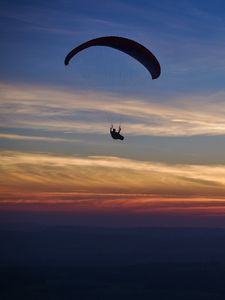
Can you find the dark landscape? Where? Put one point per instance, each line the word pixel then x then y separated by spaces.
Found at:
pixel 54 262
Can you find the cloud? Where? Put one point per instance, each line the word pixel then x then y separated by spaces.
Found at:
pixel 52 109
pixel 83 202
pixel 18 137
pixel 46 172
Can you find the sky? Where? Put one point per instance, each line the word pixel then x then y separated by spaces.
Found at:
pixel 56 151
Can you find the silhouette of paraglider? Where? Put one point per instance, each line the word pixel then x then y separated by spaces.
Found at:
pixel 128 46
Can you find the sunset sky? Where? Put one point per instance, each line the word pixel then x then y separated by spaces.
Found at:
pixel 56 151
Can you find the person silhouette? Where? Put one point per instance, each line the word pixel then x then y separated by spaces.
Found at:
pixel 116 134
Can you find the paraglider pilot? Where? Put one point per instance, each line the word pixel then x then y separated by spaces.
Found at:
pixel 116 134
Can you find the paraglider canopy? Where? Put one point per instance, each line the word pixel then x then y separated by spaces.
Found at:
pixel 130 47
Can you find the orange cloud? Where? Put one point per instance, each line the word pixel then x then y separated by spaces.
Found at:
pixel 42 172
pixel 116 204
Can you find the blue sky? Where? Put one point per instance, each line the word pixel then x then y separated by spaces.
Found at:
pixel 186 36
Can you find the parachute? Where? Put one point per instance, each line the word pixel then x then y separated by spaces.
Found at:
pixel 130 47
